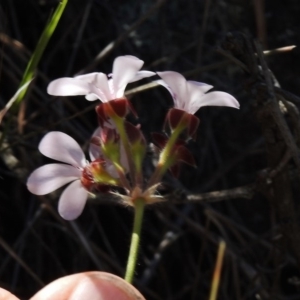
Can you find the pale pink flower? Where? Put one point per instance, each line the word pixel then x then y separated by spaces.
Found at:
pixel 48 178
pixel 97 85
pixel 191 95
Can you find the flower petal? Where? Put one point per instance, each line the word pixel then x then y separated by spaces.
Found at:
pixel 124 70
pixel 142 74
pixel 177 84
pixel 196 91
pixel 49 178
pixel 60 146
pixel 72 201
pixel 98 86
pixel 91 97
pixel 164 84
pixel 219 99
pixel 200 86
pixel 68 87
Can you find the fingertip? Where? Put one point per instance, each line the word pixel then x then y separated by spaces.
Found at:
pixel 89 285
pixel 6 295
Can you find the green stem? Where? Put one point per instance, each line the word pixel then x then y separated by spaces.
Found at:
pixel 162 166
pixel 139 206
pixel 169 146
pixel 119 122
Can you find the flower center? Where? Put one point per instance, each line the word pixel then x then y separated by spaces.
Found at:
pixel 88 178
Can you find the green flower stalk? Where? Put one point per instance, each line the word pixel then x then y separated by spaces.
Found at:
pixel 139 206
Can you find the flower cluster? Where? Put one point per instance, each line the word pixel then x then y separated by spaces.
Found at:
pixel 117 147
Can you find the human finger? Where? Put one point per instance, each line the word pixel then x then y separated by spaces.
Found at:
pixel 89 285
pixel 6 295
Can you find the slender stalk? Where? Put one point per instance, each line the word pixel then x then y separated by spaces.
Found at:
pixel 139 207
pixel 119 122
pixel 170 144
pixel 162 166
pixel 123 178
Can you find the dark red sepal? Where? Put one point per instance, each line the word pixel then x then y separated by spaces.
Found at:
pixel 179 118
pixel 175 170
pixel 102 118
pixel 113 108
pixel 159 139
pixel 134 133
pixel 193 126
pixel 175 117
pixel 119 106
pixel 109 135
pixel 184 155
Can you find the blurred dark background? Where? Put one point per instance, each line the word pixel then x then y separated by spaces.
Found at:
pixel 179 241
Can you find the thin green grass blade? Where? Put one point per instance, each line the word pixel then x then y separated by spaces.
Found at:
pixel 13 99
pixel 35 59
pixel 39 50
